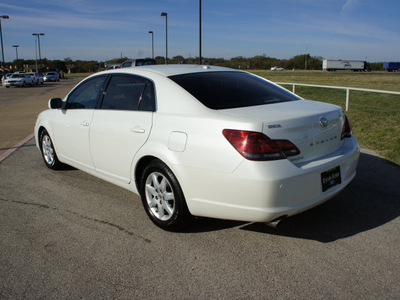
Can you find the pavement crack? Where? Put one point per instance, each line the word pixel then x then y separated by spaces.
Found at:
pixel 27 203
pixel 120 228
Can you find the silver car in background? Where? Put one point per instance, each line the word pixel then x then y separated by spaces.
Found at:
pixel 37 78
pixel 51 76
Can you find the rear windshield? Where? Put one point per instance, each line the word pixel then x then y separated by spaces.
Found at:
pixel 145 62
pixel 223 90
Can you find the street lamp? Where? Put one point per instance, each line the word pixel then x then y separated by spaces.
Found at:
pixel 16 49
pixel 164 14
pixel 1 37
pixel 305 59
pixel 40 55
pixel 152 42
pixel 200 32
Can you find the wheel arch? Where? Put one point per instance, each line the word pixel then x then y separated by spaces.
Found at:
pixel 37 135
pixel 140 166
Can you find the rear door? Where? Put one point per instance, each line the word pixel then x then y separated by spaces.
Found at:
pixel 122 125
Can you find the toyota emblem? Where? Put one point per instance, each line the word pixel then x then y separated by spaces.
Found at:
pixel 323 122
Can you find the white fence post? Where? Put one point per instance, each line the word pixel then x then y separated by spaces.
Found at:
pixel 347 99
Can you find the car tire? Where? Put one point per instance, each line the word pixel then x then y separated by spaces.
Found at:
pixel 49 154
pixel 24 84
pixel 162 197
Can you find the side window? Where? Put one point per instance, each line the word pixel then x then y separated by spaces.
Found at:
pixel 127 93
pixel 126 64
pixel 85 96
pixel 147 102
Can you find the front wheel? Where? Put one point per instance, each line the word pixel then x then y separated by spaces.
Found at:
pixel 163 198
pixel 48 152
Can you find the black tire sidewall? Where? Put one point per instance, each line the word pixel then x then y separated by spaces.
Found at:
pixel 56 164
pixel 181 215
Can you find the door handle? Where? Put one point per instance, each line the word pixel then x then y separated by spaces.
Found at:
pixel 85 123
pixel 138 129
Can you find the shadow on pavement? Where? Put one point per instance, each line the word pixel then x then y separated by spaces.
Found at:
pixel 370 201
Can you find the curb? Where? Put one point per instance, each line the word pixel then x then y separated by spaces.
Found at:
pixel 16 147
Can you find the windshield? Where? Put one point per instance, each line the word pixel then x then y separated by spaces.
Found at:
pixel 223 90
pixel 18 76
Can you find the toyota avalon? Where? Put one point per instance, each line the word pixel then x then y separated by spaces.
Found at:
pixel 201 141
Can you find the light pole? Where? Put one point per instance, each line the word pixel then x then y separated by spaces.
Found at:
pixel 36 55
pixel 305 61
pixel 152 42
pixel 1 37
pixel 16 50
pixel 164 14
pixel 40 55
pixel 200 32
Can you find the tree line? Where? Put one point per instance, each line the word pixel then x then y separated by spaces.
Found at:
pixel 263 62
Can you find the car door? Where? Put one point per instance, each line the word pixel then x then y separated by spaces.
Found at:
pixel 71 125
pixel 121 125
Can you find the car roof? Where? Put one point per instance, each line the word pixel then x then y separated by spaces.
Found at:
pixel 169 70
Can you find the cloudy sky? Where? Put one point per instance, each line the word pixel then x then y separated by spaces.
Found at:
pixel 102 30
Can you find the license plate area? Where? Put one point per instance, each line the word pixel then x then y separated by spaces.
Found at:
pixel 331 178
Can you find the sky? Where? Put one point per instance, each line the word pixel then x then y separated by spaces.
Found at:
pixel 103 30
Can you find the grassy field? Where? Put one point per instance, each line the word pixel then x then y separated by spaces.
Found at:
pixel 375 118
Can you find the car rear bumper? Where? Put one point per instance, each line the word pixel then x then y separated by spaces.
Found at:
pixel 265 191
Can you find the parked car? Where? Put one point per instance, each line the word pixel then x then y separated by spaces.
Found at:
pixel 37 78
pixel 277 69
pixel 117 66
pixel 138 62
pixel 51 76
pixel 18 79
pixel 201 141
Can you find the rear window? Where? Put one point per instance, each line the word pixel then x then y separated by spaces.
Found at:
pixel 145 62
pixel 223 90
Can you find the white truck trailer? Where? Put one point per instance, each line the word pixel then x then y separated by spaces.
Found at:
pixel 354 65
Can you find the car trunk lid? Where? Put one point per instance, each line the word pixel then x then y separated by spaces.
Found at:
pixel 314 127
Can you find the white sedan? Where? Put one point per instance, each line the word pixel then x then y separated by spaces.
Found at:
pixel 201 141
pixel 18 79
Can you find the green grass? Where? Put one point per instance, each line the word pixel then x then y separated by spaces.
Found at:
pixel 375 118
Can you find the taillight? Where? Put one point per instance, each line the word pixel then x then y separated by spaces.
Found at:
pixel 346 129
pixel 257 146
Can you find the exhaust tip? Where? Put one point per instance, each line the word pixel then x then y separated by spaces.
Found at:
pixel 275 223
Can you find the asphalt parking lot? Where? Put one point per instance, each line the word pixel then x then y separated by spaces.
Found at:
pixel 19 107
pixel 68 235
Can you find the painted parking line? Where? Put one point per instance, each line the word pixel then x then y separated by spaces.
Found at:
pixel 16 147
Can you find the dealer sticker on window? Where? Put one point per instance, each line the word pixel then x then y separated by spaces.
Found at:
pixel 330 178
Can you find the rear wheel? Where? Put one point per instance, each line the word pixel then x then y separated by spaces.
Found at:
pixel 163 198
pixel 48 153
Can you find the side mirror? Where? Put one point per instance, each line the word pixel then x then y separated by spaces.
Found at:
pixel 55 103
